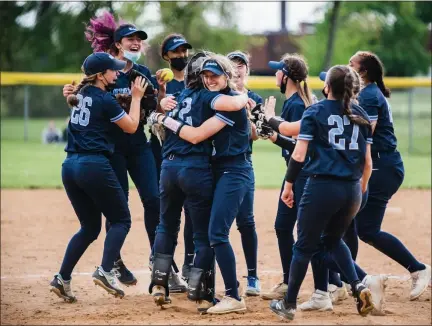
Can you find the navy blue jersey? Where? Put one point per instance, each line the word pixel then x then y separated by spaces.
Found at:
pixel 258 100
pixel 91 128
pixel 233 139
pixel 122 84
pixel 337 146
pixel 292 111
pixel 196 106
pixel 372 100
pixel 174 87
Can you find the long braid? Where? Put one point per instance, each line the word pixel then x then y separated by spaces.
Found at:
pixel 348 95
pixel 72 100
pixel 298 72
pixel 374 70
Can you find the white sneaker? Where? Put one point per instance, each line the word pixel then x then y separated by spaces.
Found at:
pixel 276 293
pixel 108 281
pixel 420 282
pixel 227 305
pixel 337 294
pixel 348 288
pixel 377 284
pixel 319 300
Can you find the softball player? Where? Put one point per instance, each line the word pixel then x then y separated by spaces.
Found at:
pixel 329 288
pixel 340 140
pixel 292 70
pixel 245 217
pixel 88 177
pixel 388 172
pixel 184 161
pixel 132 152
pixel 175 50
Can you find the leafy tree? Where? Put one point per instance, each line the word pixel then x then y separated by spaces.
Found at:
pixel 396 31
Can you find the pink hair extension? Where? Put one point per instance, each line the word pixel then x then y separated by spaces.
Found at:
pixel 100 32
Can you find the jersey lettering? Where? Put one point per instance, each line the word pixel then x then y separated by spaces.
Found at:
pixel 186 106
pixel 339 129
pixel 81 114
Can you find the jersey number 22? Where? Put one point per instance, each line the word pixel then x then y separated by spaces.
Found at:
pixel 339 129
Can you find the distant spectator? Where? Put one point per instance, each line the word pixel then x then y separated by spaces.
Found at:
pixel 51 134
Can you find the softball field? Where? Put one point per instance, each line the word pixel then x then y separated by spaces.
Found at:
pixel 37 224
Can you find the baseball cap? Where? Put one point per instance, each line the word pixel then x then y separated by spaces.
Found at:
pixel 238 55
pixel 100 62
pixel 279 65
pixel 174 42
pixel 213 66
pixel 323 75
pixel 127 30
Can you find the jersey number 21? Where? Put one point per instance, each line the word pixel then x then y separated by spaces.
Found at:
pixel 339 129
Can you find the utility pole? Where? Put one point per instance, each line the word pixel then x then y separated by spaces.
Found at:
pixel 283 12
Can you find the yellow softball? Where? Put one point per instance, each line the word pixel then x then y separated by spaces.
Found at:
pixel 167 75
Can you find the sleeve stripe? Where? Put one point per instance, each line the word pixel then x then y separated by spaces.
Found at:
pixel 304 137
pixel 117 118
pixel 373 117
pixel 369 141
pixel 224 119
pixel 214 100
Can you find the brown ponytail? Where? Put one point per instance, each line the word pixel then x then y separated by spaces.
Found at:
pixel 373 68
pixel 72 100
pixel 342 82
pixel 298 73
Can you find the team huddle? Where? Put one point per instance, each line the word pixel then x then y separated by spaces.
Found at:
pixel 342 169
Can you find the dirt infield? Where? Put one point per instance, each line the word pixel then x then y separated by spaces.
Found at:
pixel 36 225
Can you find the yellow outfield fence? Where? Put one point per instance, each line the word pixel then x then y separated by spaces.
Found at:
pixel 254 82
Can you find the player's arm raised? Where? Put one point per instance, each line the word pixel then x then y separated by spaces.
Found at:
pixel 129 123
pixel 193 135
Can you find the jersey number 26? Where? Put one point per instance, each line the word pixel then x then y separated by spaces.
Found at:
pixel 339 129
pixel 81 114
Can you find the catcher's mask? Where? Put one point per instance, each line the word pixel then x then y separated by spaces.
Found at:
pixel 193 69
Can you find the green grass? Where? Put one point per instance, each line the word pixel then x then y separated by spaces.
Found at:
pixel 32 164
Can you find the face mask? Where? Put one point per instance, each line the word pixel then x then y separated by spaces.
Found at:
pixel 109 86
pixel 324 93
pixel 178 63
pixel 132 56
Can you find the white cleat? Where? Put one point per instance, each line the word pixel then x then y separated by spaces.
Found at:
pixel 377 284
pixel 228 305
pixel 337 294
pixel 319 300
pixel 276 293
pixel 420 282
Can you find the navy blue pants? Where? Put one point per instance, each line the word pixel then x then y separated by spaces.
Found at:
pixel 233 179
pixel 387 176
pixel 188 181
pixel 321 263
pixel 137 159
pixel 325 212
pixel 188 229
pixel 94 189
pixel 286 218
pixel 246 226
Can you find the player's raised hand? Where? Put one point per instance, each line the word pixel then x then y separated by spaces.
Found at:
pixel 168 103
pixel 68 89
pixel 138 87
pixel 269 107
